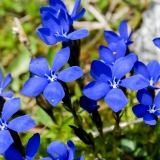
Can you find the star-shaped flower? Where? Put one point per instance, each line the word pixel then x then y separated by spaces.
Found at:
pixel 59 151
pixel 58 29
pixel 3 84
pixel 147 109
pixel 31 149
pixel 108 81
pixel 151 72
pixel 47 81
pixel 19 124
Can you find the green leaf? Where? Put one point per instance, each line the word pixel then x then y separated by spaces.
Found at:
pixel 140 153
pixel 128 145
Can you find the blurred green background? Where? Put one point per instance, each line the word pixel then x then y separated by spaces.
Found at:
pixel 18 43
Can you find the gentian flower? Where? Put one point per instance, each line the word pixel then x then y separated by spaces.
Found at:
pixel 151 72
pixel 108 81
pixel 47 81
pixel 109 56
pixel 112 38
pixel 147 109
pixel 58 29
pixel 56 5
pixel 4 84
pixel 20 124
pixel 59 151
pixel 88 104
pixel 31 149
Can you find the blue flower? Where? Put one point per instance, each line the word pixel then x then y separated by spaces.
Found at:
pixel 88 104
pixel 112 38
pixel 156 41
pixel 20 124
pixel 108 81
pixel 151 72
pixel 110 56
pixel 57 29
pixel 4 84
pixel 147 109
pixel 57 5
pixel 47 81
pixel 31 149
pixel 59 151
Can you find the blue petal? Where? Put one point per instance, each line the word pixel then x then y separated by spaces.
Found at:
pixel 144 97
pixel 0 77
pixel 62 17
pixel 154 69
pixel 78 34
pixel 33 146
pixel 116 99
pixel 34 86
pixel 46 36
pixel 10 107
pixel 8 94
pixel 123 30
pixel 157 101
pixel 22 123
pixel 88 104
pixel 141 68
pixel 106 55
pixel 136 82
pixel 12 154
pixel 112 46
pixel 60 59
pixel 57 150
pixel 71 146
pixel 157 113
pixel 71 150
pixel 149 119
pixel 139 110
pixel 123 65
pixel 120 49
pixel 79 15
pixel 54 93
pixel 51 22
pixel 111 37
pixel 100 71
pixel 7 81
pixel 129 37
pixel 47 9
pixel 76 7
pixel 5 140
pixel 81 158
pixel 70 74
pixel 96 90
pixel 57 5
pixel 47 158
pixel 156 41
pixel 39 67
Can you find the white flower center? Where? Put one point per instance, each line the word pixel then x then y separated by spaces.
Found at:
pixel 152 109
pixel 114 83
pixel 151 81
pixel 53 76
pixel 3 125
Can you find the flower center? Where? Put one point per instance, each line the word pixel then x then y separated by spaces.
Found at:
pixel 3 125
pixel 151 81
pixel 53 76
pixel 114 83
pixel 152 109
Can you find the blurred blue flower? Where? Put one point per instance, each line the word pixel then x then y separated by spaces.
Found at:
pixel 88 104
pixel 3 84
pixel 20 124
pixel 56 5
pixel 59 151
pixel 108 81
pixel 31 149
pixel 151 72
pixel 47 81
pixel 57 29
pixel 156 41
pixel 112 38
pixel 148 109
